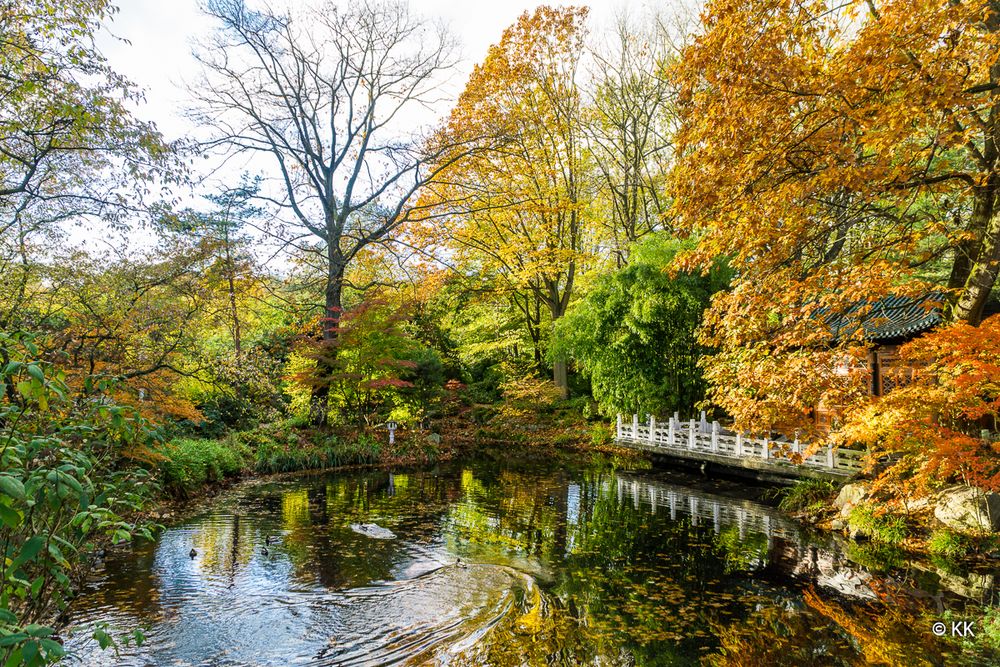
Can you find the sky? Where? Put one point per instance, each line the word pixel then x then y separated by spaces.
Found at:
pixel 151 42
pixel 160 33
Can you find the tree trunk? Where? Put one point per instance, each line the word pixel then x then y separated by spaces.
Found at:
pixel 985 266
pixel 560 378
pixel 330 325
pixel 234 310
pixel 557 308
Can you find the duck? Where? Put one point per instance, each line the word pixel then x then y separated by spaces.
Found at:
pixel 459 563
pixel 269 540
pixel 265 550
pixel 192 553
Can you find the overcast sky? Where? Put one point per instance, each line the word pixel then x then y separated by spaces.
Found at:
pixel 150 42
pixel 158 57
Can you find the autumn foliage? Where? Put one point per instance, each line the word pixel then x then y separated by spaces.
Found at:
pixel 932 425
pixel 835 155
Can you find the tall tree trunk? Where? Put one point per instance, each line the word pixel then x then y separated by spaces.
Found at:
pixel 985 266
pixel 234 311
pixel 330 325
pixel 560 376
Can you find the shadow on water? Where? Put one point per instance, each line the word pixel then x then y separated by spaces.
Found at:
pixel 492 565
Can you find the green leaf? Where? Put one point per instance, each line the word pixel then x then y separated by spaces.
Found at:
pixel 36 372
pixel 9 516
pixel 36 630
pixel 12 487
pixel 10 640
pixel 30 549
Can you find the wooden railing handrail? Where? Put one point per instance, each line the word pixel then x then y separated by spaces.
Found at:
pixel 701 436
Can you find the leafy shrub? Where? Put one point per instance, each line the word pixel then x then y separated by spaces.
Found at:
pixel 191 463
pixel 602 435
pixel 68 476
pixel 948 544
pixel 808 494
pixel 880 526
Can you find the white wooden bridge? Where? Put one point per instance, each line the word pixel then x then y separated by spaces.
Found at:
pixel 710 443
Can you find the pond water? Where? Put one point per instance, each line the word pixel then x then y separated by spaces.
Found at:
pixel 487 564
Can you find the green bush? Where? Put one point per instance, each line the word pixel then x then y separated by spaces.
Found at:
pixel 878 525
pixel 191 463
pixel 67 480
pixel 602 435
pixel 946 544
pixel 321 452
pixel 808 494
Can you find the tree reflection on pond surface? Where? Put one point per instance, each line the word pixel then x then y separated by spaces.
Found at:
pixel 493 565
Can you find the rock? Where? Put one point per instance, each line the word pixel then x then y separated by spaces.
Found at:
pixel 837 524
pixel 373 530
pixel 968 509
pixel 435 438
pixel 849 497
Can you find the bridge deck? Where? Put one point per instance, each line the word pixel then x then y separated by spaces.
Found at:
pixel 710 443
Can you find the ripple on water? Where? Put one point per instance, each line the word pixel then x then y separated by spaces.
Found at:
pixel 412 620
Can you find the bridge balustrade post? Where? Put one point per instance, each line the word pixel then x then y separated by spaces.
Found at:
pixel 739 444
pixel 767 449
pixel 635 427
pixel 618 427
pixel 652 430
pixel 671 435
pixel 715 437
pixel 830 462
pixel 692 434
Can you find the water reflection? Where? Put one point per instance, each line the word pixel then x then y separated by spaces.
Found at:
pixel 557 566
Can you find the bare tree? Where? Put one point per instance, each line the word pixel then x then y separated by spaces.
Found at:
pixel 629 129
pixel 327 93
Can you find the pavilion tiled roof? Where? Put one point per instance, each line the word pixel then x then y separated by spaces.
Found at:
pixel 892 317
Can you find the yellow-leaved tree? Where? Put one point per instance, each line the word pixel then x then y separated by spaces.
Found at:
pixel 836 155
pixel 516 209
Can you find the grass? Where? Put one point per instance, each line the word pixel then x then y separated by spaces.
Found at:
pixel 809 494
pixel 879 526
pixel 328 452
pixel 191 463
pixel 947 544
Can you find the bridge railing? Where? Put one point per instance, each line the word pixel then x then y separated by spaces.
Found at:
pixel 693 436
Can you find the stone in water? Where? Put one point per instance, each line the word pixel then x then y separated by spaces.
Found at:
pixel 373 530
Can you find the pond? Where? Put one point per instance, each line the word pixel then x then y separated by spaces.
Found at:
pixel 481 563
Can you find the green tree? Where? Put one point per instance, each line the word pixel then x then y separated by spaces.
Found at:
pixel 68 477
pixel 634 334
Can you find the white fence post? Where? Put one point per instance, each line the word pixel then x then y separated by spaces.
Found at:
pixel 704 423
pixel 652 430
pixel 767 449
pixel 635 427
pixel 715 436
pixel 692 434
pixel 739 444
pixel 618 427
pixel 830 463
pixel 795 445
pixel 670 433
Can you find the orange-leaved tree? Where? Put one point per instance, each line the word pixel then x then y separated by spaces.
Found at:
pixel 932 425
pixel 835 155
pixel 518 208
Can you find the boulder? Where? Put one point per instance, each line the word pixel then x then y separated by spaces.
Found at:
pixel 849 497
pixel 373 530
pixel 968 509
